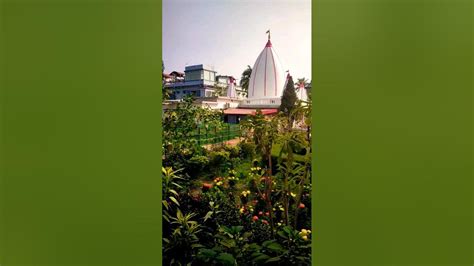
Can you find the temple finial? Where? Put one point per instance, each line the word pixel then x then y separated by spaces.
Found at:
pixel 268 32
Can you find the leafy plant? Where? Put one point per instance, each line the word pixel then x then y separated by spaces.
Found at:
pixel 247 150
pixel 181 246
pixel 170 185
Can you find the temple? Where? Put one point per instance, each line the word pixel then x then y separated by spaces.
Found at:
pixel 265 88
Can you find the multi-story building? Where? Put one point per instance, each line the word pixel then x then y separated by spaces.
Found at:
pixel 199 81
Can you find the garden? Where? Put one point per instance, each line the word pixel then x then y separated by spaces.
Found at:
pixel 242 204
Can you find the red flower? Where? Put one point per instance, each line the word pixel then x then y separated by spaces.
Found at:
pixel 255 218
pixel 267 214
pixel 206 186
pixel 301 206
pixel 265 221
pixel 260 213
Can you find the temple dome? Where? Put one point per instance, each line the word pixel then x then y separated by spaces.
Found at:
pixel 301 92
pixel 267 79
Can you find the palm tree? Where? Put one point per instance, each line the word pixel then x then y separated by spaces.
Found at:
pixel 245 79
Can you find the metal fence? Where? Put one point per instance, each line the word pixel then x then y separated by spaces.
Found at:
pixel 211 135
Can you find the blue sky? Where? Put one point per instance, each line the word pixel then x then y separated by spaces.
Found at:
pixel 230 34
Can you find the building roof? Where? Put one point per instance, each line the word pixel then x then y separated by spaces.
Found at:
pixel 267 78
pixel 239 111
pixel 198 67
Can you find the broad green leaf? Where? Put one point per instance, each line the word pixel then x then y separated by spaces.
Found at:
pixel 274 247
pixel 228 243
pixel 280 233
pixel 197 246
pixel 226 259
pixel 287 229
pixel 274 259
pixel 261 258
pixel 268 242
pixel 207 252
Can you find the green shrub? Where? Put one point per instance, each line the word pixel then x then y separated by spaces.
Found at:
pixel 219 159
pixel 228 212
pixel 247 150
pixel 196 164
pixel 234 151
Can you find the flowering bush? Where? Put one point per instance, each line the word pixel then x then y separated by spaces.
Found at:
pixel 235 209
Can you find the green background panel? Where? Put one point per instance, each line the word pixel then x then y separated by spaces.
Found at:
pixel 80 132
pixel 80 139
pixel 393 132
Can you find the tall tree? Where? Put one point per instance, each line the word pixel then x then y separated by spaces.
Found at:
pixel 289 97
pixel 245 80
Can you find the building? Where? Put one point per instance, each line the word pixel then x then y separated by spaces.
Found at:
pixel 200 81
pixel 177 76
pixel 301 92
pixel 267 80
pixel 266 85
pixel 229 84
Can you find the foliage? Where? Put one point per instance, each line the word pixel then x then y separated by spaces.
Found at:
pixel 170 187
pixel 289 97
pixel 234 151
pixel 243 205
pixel 183 243
pixel 198 163
pixel 179 127
pixel 219 159
pixel 219 89
pixel 247 150
pixel 226 212
pixel 245 79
